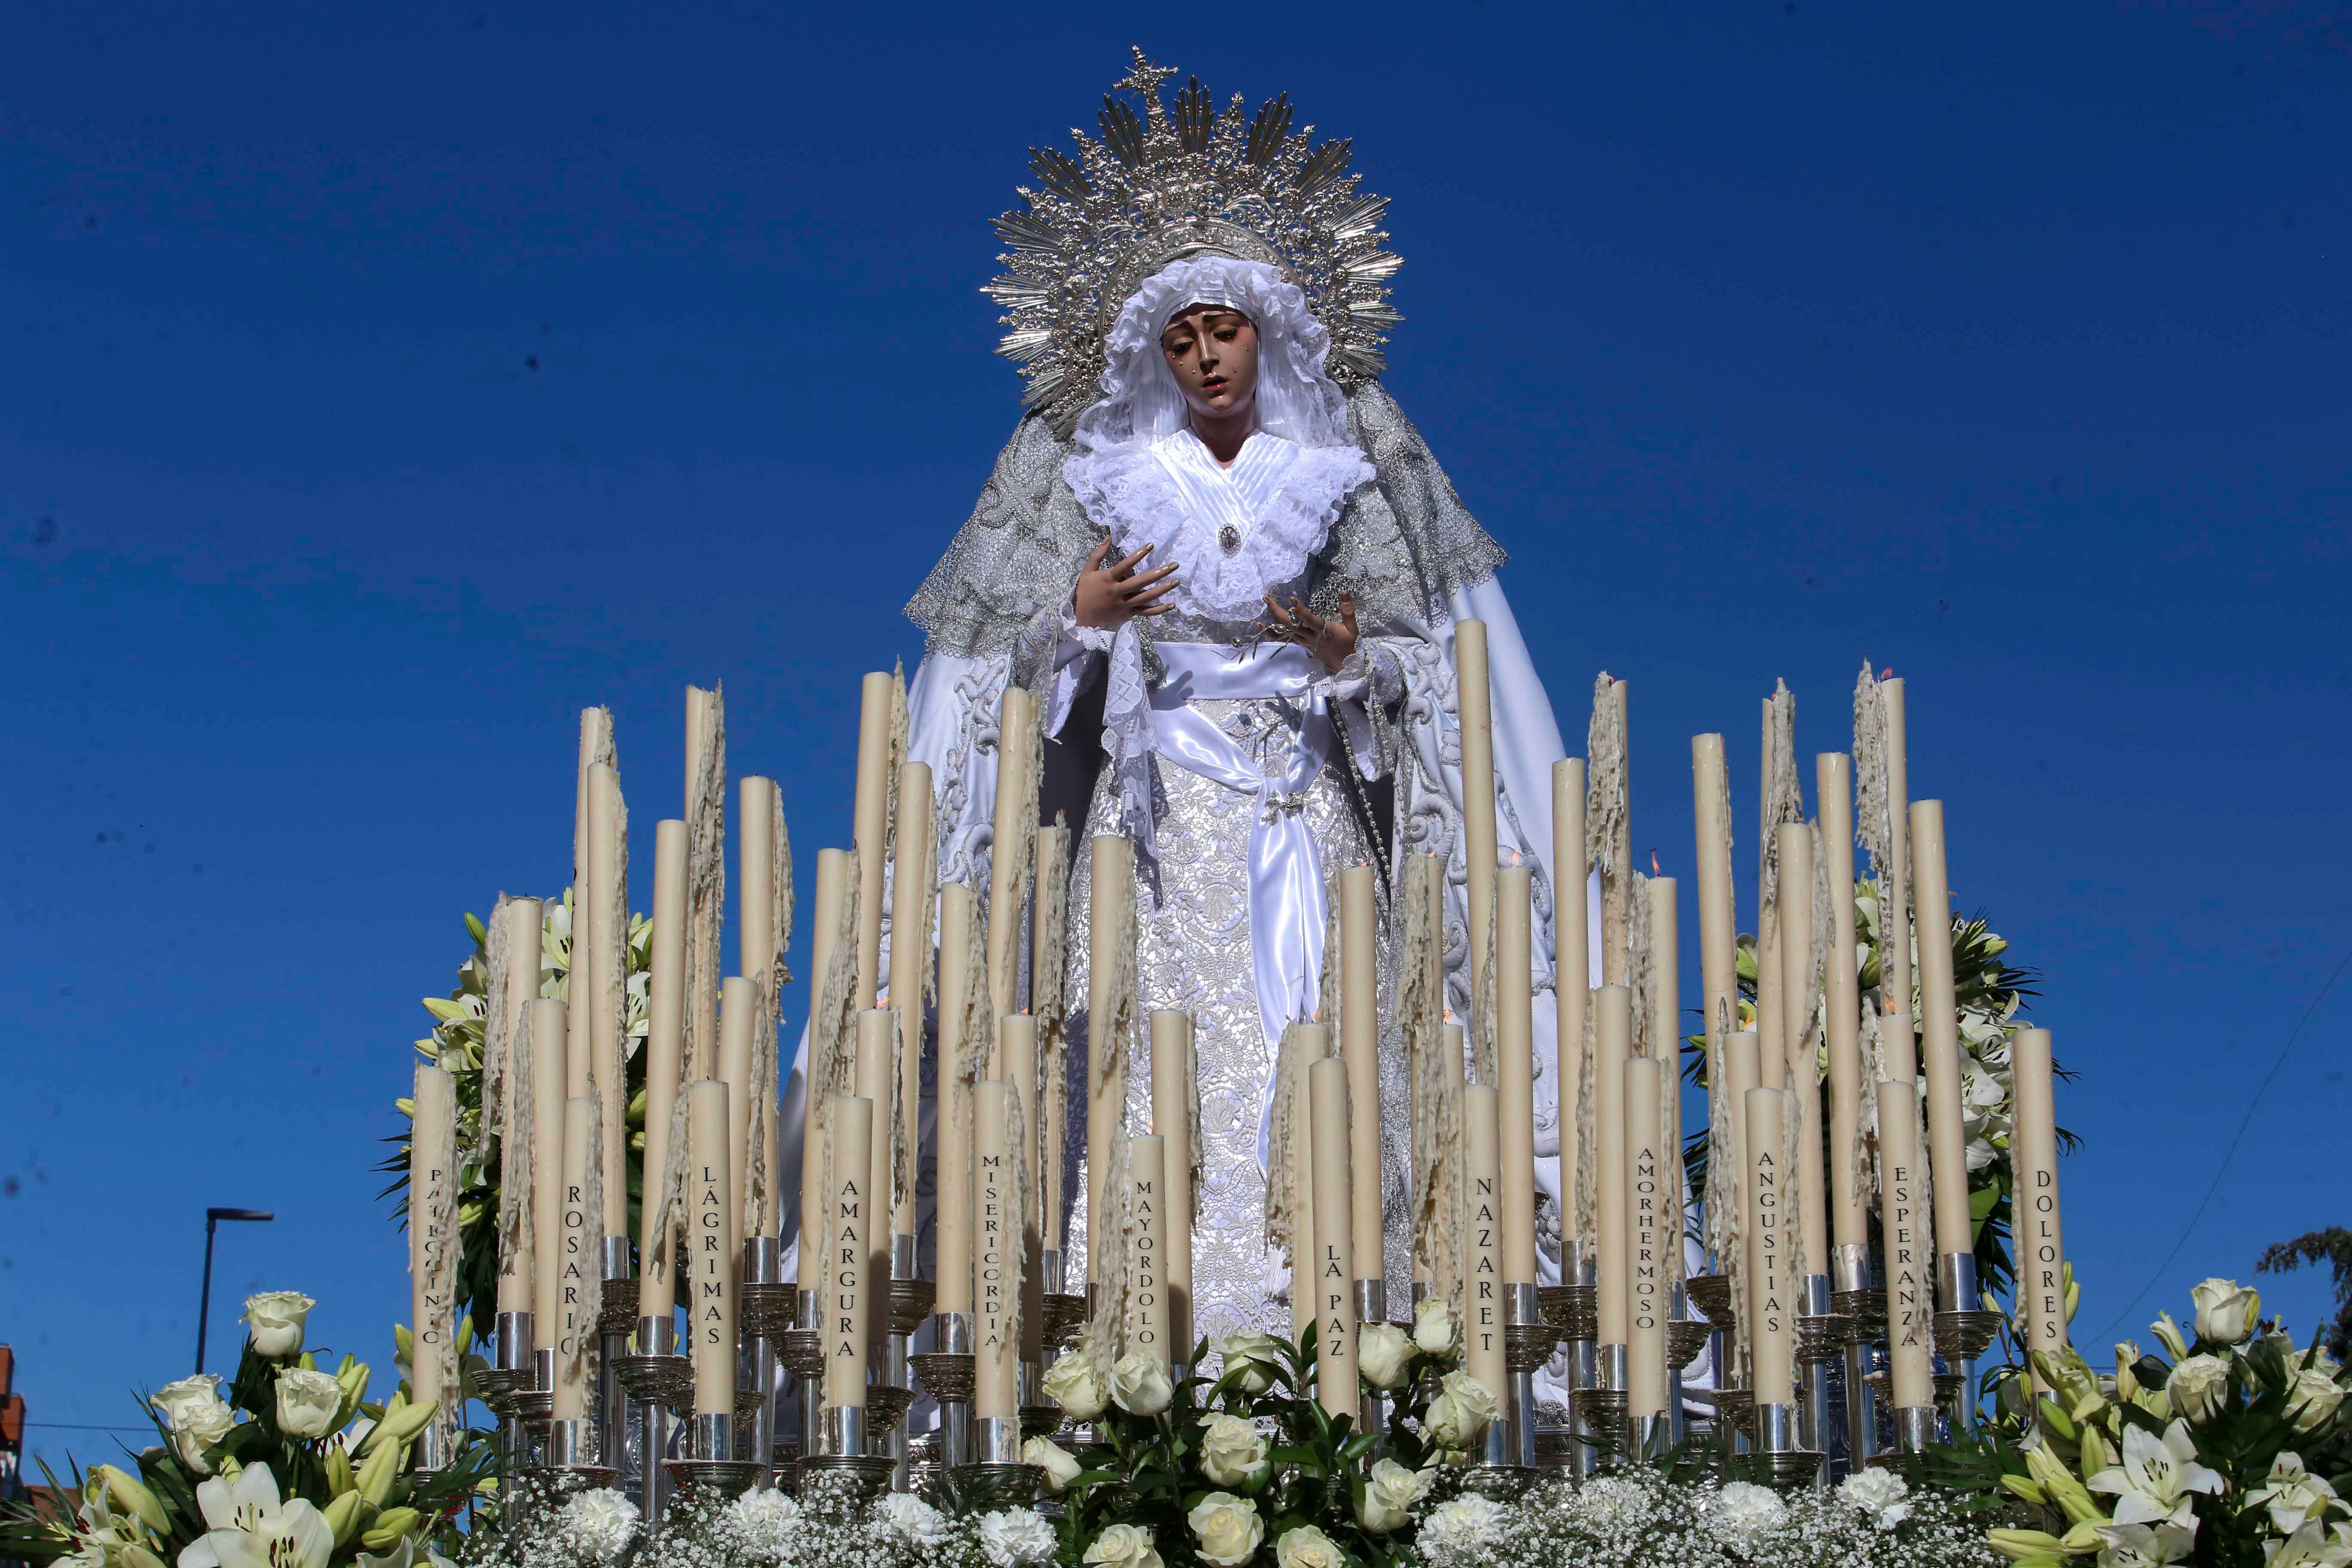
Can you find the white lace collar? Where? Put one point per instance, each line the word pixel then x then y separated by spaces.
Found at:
pixel 1237 532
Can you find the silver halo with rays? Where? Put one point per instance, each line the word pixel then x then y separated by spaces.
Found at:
pixel 1158 189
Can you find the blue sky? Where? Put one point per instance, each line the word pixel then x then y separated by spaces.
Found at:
pixel 377 387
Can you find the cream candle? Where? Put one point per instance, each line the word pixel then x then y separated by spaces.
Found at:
pixel 1771 1286
pixel 996 1328
pixel 763 858
pixel 913 896
pixel 1612 1046
pixel 739 999
pixel 608 944
pixel 1718 927
pixel 1474 709
pixel 1110 937
pixel 1016 1042
pixel 1172 1118
pixel 1047 961
pixel 664 1051
pixel 953 1177
pixel 546 1169
pixel 1895 900
pixel 1742 1071
pixel 1514 1086
pixel 878 1059
pixel 1572 979
pixel 1015 818
pixel 432 1227
pixel 2041 1245
pixel 1769 1023
pixel 578 1293
pixel 1653 1206
pixel 1910 1303
pixel 870 830
pixel 711 1264
pixel 1302 1045
pixel 524 917
pixel 849 1228
pixel 595 747
pixel 1335 1267
pixel 1666 1030
pixel 1482 1250
pixel 1849 1203
pixel 1147 1326
pixel 832 893
pixel 1617 871
pixel 1359 1048
pixel 1799 988
pixel 1940 1036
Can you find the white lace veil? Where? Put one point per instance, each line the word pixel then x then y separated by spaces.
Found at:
pixel 1296 399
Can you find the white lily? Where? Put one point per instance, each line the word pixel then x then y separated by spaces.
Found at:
pixel 2143 1545
pixel 2294 1496
pixel 2153 1483
pixel 2308 1547
pixel 249 1528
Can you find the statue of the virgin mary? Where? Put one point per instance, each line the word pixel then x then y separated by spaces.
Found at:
pixel 1231 569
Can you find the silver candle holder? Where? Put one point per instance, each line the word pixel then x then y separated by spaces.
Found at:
pixel 1822 1336
pixel 1864 1311
pixel 1963 1332
pixel 1783 1461
pixel 948 1372
pixel 1526 1345
pixel 846 1450
pixel 1371 1307
pixel 656 1376
pixel 711 1466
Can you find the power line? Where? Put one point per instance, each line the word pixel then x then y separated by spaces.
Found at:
pixel 2227 1154
pixel 84 1426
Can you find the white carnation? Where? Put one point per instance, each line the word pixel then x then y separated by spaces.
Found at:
pixel 1879 1494
pixel 1742 1511
pixel 766 1521
pixel 1015 1537
pixel 1610 1503
pixel 910 1518
pixel 1457 1531
pixel 599 1525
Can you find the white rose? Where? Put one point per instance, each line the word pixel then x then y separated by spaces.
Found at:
pixel 1879 1494
pixel 1124 1546
pixel 176 1400
pixel 1228 1529
pixel 1449 1426
pixel 2198 1387
pixel 1389 1493
pixel 2226 1311
pixel 1013 1537
pixel 275 1319
pixel 1077 1384
pixel 307 1402
pixel 2312 1398
pixel 1472 1396
pixel 1433 1325
pixel 909 1517
pixel 1138 1383
pixel 1233 1451
pixel 1061 1465
pixel 1254 1356
pixel 1307 1547
pixel 1382 1352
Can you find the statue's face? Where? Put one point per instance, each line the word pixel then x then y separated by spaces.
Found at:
pixel 1211 350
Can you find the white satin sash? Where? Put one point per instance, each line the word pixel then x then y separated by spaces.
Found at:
pixel 1285 891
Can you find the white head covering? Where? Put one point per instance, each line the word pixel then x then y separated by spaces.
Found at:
pixel 1296 400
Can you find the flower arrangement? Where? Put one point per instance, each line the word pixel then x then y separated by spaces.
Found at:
pixel 2228 1456
pixel 828 1527
pixel 291 1467
pixel 541 1527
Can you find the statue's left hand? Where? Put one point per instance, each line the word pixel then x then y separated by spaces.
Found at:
pixel 1330 641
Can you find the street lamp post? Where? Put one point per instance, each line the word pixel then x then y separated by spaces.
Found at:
pixel 205 1303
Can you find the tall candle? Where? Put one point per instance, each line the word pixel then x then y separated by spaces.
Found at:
pixel 1572 977
pixel 1848 1204
pixel 1425 881
pixel 664 1049
pixel 1617 875
pixel 739 999
pixel 913 896
pixel 877 1051
pixel 757 918
pixel 432 1226
pixel 1772 1289
pixel 1482 1252
pixel 1770 1022
pixel 1172 1118
pixel 595 747
pixel 1515 1057
pixel 1111 925
pixel 1359 1048
pixel 1334 1283
pixel 1742 1072
pixel 832 892
pixel 850 1225
pixel 2040 1247
pixel 1016 1043
pixel 953 1177
pixel 1475 706
pixel 1148 1329
pixel 1718 926
pixel 869 830
pixel 548 1100
pixel 1666 1029
pixel 578 1295
pixel 1647 1185
pixel 525 918
pixel 1049 952
pixel 1612 1046
pixel 1940 1034
pixel 711 1266
pixel 996 1328
pixel 1910 1305
pixel 1015 816
pixel 1302 1045
pixel 608 943
pixel 1799 986
pixel 1896 880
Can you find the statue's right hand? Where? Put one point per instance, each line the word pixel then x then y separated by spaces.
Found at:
pixel 1114 594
